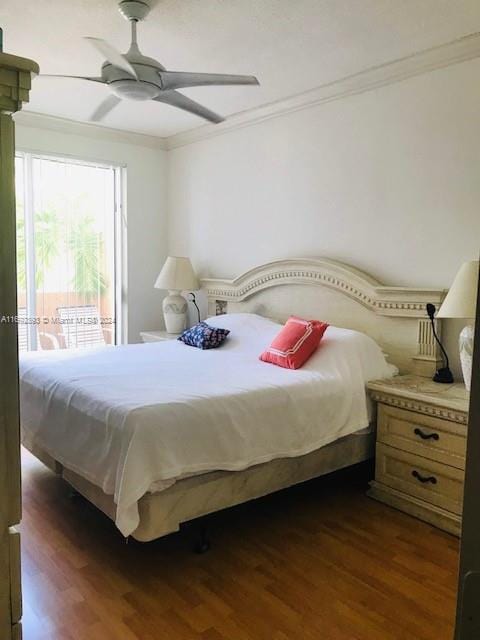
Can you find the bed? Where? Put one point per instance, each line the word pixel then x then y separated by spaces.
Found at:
pixel 160 433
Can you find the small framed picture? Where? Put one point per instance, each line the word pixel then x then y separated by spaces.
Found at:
pixel 220 307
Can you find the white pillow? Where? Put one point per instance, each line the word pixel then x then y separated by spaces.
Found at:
pixel 355 346
pixel 244 322
pixel 247 330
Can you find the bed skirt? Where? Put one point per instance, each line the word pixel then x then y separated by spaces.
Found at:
pixel 163 512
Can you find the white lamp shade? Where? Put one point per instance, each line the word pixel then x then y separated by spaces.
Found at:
pixel 461 298
pixel 177 274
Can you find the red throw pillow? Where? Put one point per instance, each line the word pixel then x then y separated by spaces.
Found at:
pixel 295 343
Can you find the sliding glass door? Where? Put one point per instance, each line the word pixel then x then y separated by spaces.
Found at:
pixel 68 255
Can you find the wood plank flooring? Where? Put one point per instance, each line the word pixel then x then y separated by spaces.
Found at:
pixel 319 561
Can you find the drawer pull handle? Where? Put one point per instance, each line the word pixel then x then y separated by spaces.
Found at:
pixel 426 436
pixel 424 479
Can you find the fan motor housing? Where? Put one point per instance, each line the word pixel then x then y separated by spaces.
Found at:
pixel 134 89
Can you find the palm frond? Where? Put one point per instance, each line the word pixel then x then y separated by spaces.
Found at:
pixel 87 247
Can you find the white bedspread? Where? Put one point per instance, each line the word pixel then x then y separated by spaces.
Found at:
pixel 137 417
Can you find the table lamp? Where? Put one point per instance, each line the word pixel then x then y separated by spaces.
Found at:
pixel 177 275
pixel 461 302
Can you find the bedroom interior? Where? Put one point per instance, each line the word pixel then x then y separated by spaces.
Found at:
pixel 239 320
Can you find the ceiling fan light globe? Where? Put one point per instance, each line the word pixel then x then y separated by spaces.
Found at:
pixel 133 90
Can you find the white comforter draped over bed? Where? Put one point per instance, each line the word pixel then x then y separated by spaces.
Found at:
pixel 135 418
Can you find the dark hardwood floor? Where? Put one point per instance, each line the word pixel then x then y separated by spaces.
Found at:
pixel 319 561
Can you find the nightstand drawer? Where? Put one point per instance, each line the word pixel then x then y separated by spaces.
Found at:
pixel 433 438
pixel 435 483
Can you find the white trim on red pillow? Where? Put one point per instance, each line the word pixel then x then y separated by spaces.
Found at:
pixel 300 341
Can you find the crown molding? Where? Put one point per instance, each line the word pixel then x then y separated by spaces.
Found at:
pixel 461 50
pixel 63 125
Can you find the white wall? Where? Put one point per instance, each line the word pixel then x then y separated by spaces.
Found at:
pixel 146 212
pixel 388 181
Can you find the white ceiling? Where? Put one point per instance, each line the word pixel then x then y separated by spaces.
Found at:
pixel 290 45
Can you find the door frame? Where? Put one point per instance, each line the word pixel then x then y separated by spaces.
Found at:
pixel 15 83
pixel 468 609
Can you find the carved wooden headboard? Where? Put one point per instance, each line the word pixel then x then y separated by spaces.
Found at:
pixel 342 295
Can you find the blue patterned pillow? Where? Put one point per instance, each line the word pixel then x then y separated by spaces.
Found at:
pixel 203 336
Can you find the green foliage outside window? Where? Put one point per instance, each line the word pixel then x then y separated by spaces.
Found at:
pixel 85 250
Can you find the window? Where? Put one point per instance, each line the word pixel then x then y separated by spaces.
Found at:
pixel 69 249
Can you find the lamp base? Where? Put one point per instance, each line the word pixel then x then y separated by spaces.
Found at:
pixel 444 376
pixel 175 312
pixel 465 344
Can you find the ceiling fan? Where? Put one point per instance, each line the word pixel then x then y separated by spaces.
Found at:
pixel 133 76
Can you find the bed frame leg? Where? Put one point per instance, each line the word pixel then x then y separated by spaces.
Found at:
pixel 203 543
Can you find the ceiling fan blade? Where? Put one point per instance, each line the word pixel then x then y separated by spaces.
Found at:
pixel 104 108
pixel 179 79
pixel 180 101
pixel 112 55
pixel 53 75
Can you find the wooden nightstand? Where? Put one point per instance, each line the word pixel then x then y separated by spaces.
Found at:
pixel 157 336
pixel 421 445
